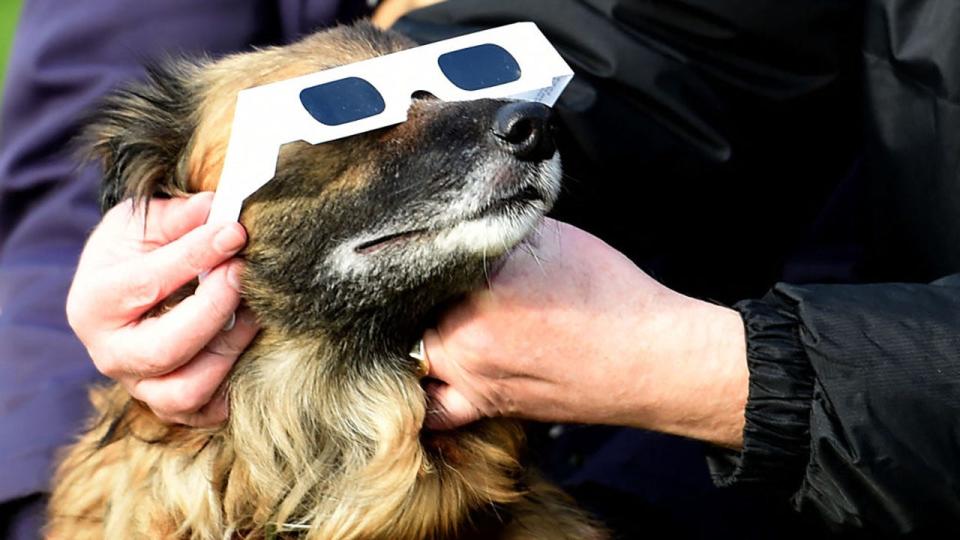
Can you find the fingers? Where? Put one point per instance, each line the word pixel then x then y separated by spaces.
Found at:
pixel 179 334
pixel 448 408
pixel 139 284
pixel 389 11
pixel 177 217
pixel 135 259
pixel 123 274
pixel 212 414
pixel 194 394
pixel 436 356
pixel 155 222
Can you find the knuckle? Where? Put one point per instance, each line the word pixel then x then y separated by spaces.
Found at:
pixel 104 358
pixel 81 310
pixel 197 255
pixel 209 416
pixel 143 289
pixel 154 359
pixel 189 403
pixel 162 416
pixel 196 262
pixel 175 400
pixel 216 305
pixel 105 366
pixel 109 369
pixel 226 345
pixel 73 307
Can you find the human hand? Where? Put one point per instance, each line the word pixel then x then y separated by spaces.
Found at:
pixel 573 331
pixel 174 362
pixel 389 11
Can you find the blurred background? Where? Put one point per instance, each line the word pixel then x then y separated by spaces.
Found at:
pixel 9 9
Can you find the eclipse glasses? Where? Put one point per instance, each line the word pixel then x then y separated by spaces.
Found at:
pixel 514 61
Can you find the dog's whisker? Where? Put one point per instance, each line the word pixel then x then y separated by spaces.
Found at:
pixel 567 177
pixel 536 258
pixel 402 190
pixel 506 248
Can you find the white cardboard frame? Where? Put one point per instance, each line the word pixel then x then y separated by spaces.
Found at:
pixel 269 116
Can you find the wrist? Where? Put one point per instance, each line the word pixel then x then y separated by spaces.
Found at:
pixel 697 381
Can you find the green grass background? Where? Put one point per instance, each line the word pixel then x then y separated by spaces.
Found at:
pixel 9 10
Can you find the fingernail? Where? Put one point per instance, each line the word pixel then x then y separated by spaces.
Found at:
pixel 231 322
pixel 230 239
pixel 233 275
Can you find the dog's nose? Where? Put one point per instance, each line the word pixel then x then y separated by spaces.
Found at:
pixel 524 128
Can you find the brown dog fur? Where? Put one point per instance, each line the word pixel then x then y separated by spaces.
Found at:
pixel 324 438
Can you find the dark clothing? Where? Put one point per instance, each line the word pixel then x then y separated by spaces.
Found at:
pixel 725 145
pixel 691 123
pixel 854 402
pixel 66 56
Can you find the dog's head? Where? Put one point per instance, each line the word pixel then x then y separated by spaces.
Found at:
pixel 372 231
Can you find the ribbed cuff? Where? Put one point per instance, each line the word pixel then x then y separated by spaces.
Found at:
pixel 776 436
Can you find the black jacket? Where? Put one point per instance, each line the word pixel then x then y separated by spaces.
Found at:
pixel 731 147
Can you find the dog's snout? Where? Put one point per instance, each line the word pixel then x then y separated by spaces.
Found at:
pixel 525 129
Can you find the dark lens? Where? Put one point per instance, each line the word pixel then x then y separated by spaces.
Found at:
pixel 339 102
pixel 483 66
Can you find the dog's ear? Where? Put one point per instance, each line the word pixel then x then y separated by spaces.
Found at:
pixel 141 134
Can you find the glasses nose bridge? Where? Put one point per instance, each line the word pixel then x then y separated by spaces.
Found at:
pixel 430 80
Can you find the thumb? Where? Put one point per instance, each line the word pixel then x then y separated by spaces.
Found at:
pixel 447 408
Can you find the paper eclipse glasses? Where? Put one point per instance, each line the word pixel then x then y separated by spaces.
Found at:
pixel 514 61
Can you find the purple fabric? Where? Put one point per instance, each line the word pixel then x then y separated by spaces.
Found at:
pixel 66 56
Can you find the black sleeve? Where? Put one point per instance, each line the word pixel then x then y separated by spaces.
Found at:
pixel 854 405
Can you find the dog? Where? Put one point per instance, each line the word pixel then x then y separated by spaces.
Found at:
pixel 353 247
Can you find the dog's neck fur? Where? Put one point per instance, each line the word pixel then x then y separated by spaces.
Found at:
pixel 343 456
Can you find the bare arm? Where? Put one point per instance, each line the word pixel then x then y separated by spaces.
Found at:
pixel 572 331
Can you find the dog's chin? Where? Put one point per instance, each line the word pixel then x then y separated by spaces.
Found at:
pixel 487 227
pixel 495 232
pixel 502 202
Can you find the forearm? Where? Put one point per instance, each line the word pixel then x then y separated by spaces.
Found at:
pixel 573 331
pixel 698 388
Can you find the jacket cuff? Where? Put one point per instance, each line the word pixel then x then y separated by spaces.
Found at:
pixel 776 436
